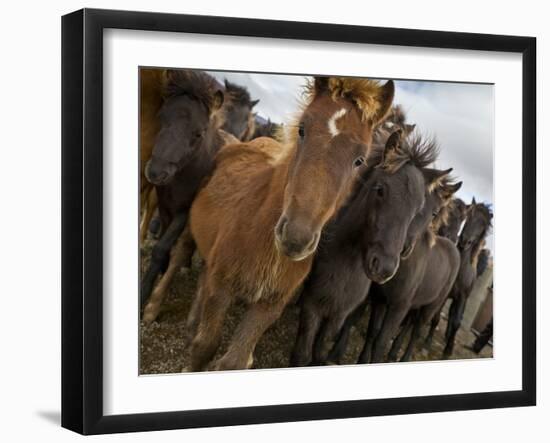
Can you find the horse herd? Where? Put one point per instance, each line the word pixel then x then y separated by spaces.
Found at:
pixel 342 207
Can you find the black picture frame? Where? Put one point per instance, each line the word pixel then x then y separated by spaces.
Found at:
pixel 82 219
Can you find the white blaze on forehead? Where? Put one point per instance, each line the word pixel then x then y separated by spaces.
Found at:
pixel 332 122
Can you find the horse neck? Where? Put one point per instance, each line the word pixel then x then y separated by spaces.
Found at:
pixel 466 258
pixel 212 141
pixel 273 203
pixel 349 221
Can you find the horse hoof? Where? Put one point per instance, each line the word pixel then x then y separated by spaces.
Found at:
pixel 233 364
pixel 150 314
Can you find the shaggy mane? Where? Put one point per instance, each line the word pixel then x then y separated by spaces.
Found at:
pixel 415 150
pixel 195 84
pixel 487 214
pixel 398 116
pixel 362 91
pixel 237 94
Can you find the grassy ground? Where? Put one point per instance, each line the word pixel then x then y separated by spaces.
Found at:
pixel 162 347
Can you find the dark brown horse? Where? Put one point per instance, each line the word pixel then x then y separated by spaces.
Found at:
pixel 258 221
pixel 183 155
pixel 392 301
pixel 443 261
pixel 239 118
pixel 363 243
pixel 397 120
pixel 456 215
pixel 470 244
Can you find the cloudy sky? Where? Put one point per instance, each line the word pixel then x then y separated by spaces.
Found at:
pixel 458 115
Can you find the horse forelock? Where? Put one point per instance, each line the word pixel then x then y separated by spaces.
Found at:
pixel 196 84
pixel 416 150
pixel 237 94
pixel 363 92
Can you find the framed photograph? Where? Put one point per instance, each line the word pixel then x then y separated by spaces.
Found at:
pixel 269 221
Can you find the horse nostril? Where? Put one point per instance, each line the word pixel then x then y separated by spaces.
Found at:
pixel 374 262
pixel 281 227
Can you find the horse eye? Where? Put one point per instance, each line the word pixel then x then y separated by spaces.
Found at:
pixel 301 130
pixel 197 134
pixel 359 161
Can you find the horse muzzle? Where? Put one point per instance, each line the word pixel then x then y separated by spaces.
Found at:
pixel 380 268
pixel 159 172
pixel 295 242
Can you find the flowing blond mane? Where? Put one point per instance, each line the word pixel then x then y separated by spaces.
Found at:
pixel 362 91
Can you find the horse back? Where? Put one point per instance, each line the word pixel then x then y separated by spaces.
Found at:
pixel 443 262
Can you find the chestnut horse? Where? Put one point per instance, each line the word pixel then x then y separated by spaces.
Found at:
pixel 258 221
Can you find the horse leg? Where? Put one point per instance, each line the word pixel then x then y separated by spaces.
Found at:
pixel 328 335
pixel 310 322
pixel 339 349
pixel 455 319
pixel 483 338
pixel 188 248
pixel 416 325
pixel 393 318
pixel 194 316
pixel 150 204
pixel 256 320
pixel 213 306
pixel 433 326
pixel 406 327
pixel 376 319
pixel 161 254
pixel 177 255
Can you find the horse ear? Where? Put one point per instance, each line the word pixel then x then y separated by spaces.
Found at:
pixel 321 84
pixel 217 100
pixel 409 128
pixel 385 99
pixel 473 201
pixel 455 187
pixel 434 176
pixel 254 103
pixel 391 145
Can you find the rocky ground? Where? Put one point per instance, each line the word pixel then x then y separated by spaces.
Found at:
pixel 162 347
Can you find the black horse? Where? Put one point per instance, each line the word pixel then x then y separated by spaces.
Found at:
pixel 442 264
pixel 456 215
pixel 470 244
pixel 431 256
pixel 363 242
